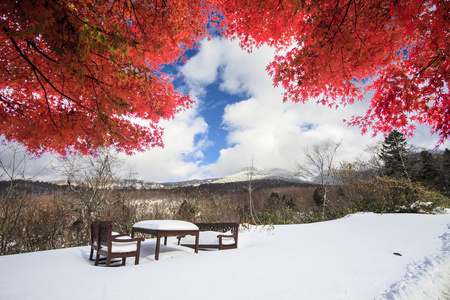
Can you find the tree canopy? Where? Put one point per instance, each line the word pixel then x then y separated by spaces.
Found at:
pixel 79 75
pixel 76 75
pixel 398 49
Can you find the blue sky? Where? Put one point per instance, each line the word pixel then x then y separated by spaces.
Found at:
pixel 212 109
pixel 239 117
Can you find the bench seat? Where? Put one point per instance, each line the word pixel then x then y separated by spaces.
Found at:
pixel 213 235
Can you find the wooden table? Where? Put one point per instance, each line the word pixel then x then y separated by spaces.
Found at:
pixel 165 228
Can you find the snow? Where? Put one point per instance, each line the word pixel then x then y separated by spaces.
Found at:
pixel 209 238
pixel 166 225
pixel 122 246
pixel 349 258
pixel 256 174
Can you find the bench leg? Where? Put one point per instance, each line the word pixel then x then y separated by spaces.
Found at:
pixel 158 240
pixel 196 242
pixel 97 258
pixel 91 257
pixel 138 253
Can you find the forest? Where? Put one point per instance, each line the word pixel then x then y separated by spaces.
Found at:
pixel 394 178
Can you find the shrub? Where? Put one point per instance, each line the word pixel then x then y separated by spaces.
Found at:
pixel 388 195
pixel 285 216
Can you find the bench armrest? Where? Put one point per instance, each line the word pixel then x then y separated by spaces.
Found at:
pixel 226 235
pixel 119 239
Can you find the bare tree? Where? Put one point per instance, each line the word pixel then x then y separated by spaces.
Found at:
pixel 14 196
pixel 94 182
pixel 319 162
pixel 250 173
pixel 369 165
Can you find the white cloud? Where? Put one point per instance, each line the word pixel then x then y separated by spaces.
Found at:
pixel 202 69
pixel 178 160
pixel 274 133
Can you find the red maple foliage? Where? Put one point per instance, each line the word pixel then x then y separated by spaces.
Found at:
pixel 335 51
pixel 83 74
pixel 78 75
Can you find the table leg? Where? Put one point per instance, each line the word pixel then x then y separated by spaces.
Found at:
pixel 196 242
pixel 165 240
pixel 158 238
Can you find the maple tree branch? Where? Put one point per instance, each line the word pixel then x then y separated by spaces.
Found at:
pixel 106 58
pixel 100 114
pixel 99 83
pixel 280 3
pixel 8 103
pixel 94 28
pixel 136 17
pixel 346 12
pixel 427 66
pixel 184 17
pixel 343 62
pixel 33 66
pixel 444 2
pixel 432 81
pixel 342 21
pixel 359 37
pixel 429 85
pixel 37 70
pixel 357 33
pixel 46 98
pixel 97 80
pixel 39 50
pixel 334 55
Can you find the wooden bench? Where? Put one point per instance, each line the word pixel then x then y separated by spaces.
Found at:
pixel 95 227
pixel 214 235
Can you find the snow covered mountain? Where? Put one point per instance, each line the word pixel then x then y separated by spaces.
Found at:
pixel 279 175
pixel 275 177
pixel 255 174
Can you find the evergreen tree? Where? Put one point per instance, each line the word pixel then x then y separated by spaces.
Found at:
pixel 428 173
pixel 394 154
pixel 318 195
pixel 444 174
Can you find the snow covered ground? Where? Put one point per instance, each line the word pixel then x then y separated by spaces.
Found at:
pixel 362 256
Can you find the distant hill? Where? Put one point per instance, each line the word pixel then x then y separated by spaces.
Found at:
pixel 260 179
pixel 255 174
pixel 32 187
pixel 274 177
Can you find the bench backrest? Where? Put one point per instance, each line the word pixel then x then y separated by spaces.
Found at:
pixel 219 227
pixel 94 232
pixel 104 232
